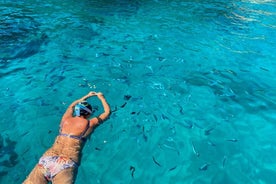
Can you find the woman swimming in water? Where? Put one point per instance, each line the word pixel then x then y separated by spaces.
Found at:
pixel 59 164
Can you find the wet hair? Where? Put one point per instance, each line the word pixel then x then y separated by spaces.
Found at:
pixel 87 105
pixel 81 107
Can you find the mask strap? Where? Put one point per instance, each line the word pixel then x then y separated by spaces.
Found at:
pixel 80 106
pixel 77 110
pixel 86 109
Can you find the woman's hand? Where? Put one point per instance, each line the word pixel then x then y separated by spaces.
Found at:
pixel 100 95
pixel 92 93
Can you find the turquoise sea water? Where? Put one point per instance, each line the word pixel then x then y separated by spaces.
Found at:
pixel 191 85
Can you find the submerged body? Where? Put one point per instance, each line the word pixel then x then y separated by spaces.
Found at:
pixel 59 164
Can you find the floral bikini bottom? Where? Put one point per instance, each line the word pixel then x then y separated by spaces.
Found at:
pixel 52 165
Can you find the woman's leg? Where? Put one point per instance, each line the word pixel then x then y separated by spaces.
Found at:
pixel 66 176
pixel 35 177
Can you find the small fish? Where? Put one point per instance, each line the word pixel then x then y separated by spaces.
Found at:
pixel 127 97
pixel 264 69
pixel 188 98
pixel 98 149
pixel 204 167
pixel 242 70
pixel 194 150
pixel 211 143
pixel 224 161
pixel 208 131
pixel 157 163
pixel 164 116
pixel 260 90
pixel 232 72
pixel 233 140
pixel 25 151
pixel 22 135
pixel 105 54
pixel 29 82
pixel 161 58
pixel 116 108
pixel 122 106
pixel 187 124
pixel 145 137
pixel 173 168
pixel 155 117
pixel 42 102
pixel 132 169
pixel 181 109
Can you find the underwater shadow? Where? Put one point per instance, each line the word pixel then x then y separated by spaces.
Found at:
pixel 8 156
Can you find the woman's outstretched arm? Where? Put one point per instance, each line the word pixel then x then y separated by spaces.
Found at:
pixel 99 119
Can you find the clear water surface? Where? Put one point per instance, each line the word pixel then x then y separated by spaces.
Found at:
pixel 191 85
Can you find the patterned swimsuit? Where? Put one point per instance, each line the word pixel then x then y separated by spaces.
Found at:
pixel 52 165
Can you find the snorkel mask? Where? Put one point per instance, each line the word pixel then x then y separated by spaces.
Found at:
pixel 80 107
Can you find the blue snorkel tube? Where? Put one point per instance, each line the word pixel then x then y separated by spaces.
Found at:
pixel 78 108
